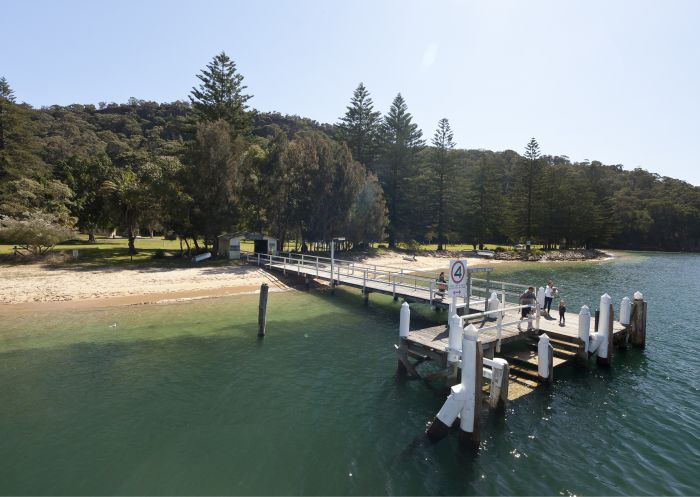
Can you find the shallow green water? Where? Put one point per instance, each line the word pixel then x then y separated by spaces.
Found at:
pixel 183 399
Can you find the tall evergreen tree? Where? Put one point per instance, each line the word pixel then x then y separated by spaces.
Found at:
pixel 220 95
pixel 442 172
pixel 402 140
pixel 213 180
pixel 7 97
pixel 486 218
pixel 360 127
pixel 526 192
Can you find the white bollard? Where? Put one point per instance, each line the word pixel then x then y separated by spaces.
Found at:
pixel 469 344
pixel 603 325
pixel 405 320
pixel 493 302
pixel 540 298
pixel 452 406
pixel 498 395
pixel 625 311
pixel 462 396
pixel 584 325
pixel 455 339
pixel 543 364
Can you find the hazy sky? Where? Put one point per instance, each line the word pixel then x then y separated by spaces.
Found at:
pixel 614 81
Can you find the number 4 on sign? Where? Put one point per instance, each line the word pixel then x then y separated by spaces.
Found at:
pixel 457 284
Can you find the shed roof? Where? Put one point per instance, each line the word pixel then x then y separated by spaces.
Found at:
pixel 246 235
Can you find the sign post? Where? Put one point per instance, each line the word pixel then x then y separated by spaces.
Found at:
pixel 457 283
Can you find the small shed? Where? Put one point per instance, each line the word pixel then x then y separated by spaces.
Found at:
pixel 230 244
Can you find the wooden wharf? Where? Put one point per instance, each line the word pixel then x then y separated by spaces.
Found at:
pixel 507 360
pixel 431 344
pixel 370 278
pixel 496 353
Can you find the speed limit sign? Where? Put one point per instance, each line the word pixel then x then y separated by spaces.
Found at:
pixel 457 284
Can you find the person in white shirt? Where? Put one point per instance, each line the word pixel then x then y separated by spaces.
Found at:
pixel 548 297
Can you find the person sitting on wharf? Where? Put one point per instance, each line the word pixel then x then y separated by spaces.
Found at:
pixel 442 284
pixel 562 312
pixel 528 298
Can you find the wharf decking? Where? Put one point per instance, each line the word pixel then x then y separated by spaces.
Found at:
pixel 397 282
pixel 436 337
pixel 518 347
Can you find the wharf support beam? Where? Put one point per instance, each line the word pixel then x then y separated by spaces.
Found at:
pixel 639 321
pixel 465 398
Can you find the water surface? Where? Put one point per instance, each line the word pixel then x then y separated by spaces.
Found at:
pixel 184 399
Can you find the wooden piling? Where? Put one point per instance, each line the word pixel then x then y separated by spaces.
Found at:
pixel 606 361
pixel 471 439
pixel 639 323
pixel 262 310
pixel 597 318
pixel 498 393
pixel 437 430
pixel 505 379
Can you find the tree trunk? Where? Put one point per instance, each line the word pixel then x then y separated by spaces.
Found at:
pixel 132 238
pixel 91 236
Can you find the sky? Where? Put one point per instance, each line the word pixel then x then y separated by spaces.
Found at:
pixel 614 81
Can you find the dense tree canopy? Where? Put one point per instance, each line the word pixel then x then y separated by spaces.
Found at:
pixel 200 168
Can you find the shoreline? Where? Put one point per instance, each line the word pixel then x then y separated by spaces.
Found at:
pixel 40 288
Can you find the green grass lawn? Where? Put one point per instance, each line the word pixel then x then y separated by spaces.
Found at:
pixel 110 251
pixel 116 251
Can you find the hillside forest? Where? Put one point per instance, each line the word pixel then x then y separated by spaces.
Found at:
pixel 211 164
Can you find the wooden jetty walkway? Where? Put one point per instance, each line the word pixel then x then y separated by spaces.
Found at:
pixel 372 278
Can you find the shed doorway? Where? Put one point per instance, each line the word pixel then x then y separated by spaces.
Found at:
pixel 260 246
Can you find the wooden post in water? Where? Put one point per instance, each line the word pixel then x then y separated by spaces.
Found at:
pixel 639 321
pixel 498 394
pixel 469 428
pixel 402 349
pixel 545 360
pixel 584 330
pixel 608 314
pixel 597 318
pixel 262 310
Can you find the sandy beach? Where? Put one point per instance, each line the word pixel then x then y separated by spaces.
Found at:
pixel 36 286
pixel 42 287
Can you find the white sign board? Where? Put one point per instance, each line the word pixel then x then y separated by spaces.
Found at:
pixel 457 282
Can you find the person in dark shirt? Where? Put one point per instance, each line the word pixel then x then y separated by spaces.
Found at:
pixel 562 312
pixel 529 299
